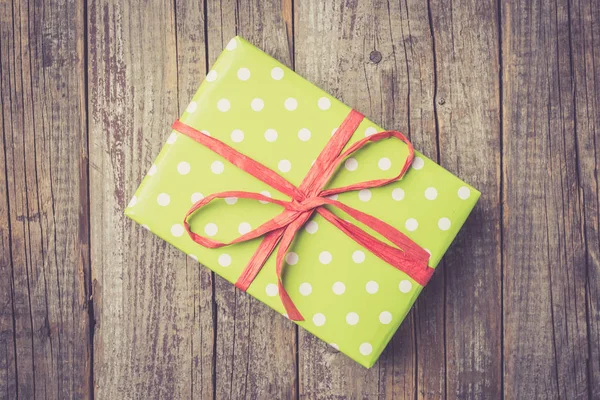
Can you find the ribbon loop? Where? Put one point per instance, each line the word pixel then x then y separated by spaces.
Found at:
pixel 269 226
pixel 376 182
pixel 404 255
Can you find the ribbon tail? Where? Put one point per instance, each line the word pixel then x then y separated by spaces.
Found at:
pixel 284 245
pixel 389 232
pixel 259 258
pixel 288 304
pixel 404 260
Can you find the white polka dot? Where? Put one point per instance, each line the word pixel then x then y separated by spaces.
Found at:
pixel 196 197
pixel 291 258
pixel 372 287
pixel 370 131
pixel 284 166
pixel 351 164
pixel 335 346
pixel 385 317
pixel 146 227
pixel 163 199
pixel 224 260
pixel 270 135
pixel 333 131
pixel 152 170
pixel 305 289
pixel 191 107
pixel 338 288
pixel 324 103
pixel 291 104
pixel 431 193
pixel 398 194
pixel 325 257
pixel 272 289
pixel 132 202
pixel 464 192
pixel 211 229
pixel 405 286
pixel 243 74
pixel 177 230
pixel 277 73
pixel 358 256
pixel 318 319
pixel 304 134
pixel 352 318
pixel 231 45
pixel 384 164
pixel 444 224
pixel 172 138
pixel 207 133
pixel 183 168
pixel 217 167
pixel 211 76
pixel 257 104
pixel 237 135
pixel 364 195
pixel 244 228
pixel 266 194
pixel 411 224
pixel 231 200
pixel 418 163
pixel 193 257
pixel 223 105
pixel 365 349
pixel 311 227
pixel 333 197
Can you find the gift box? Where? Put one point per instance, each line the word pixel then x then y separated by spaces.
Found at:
pixel 355 265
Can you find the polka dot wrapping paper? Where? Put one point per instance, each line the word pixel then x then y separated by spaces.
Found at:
pixel 349 298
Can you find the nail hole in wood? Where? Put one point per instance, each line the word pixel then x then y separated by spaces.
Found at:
pixel 375 57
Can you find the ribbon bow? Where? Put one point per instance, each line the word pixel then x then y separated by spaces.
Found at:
pixel 308 198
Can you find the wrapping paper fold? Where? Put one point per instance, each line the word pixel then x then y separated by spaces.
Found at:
pixel 351 299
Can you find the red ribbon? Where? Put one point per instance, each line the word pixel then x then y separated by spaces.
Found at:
pixel 308 198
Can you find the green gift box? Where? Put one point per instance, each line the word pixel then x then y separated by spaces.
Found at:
pixel 349 297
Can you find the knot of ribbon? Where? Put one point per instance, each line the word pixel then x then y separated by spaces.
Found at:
pixel 308 198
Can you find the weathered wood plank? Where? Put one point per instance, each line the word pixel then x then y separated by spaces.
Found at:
pixel 146 342
pixel 377 58
pixel 546 340
pixel 584 25
pixel 403 32
pixel 415 35
pixel 44 263
pixel 8 350
pixel 256 347
pixel 192 68
pixel 333 45
pixel 467 105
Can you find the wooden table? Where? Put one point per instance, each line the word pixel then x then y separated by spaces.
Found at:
pixel 504 94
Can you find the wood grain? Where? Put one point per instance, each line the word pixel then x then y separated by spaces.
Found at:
pixel 417 72
pixel 467 107
pixel 385 71
pixel 146 342
pixel 191 70
pixel 546 346
pixel 504 94
pixel 326 57
pixel 584 24
pixel 256 347
pixel 44 265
